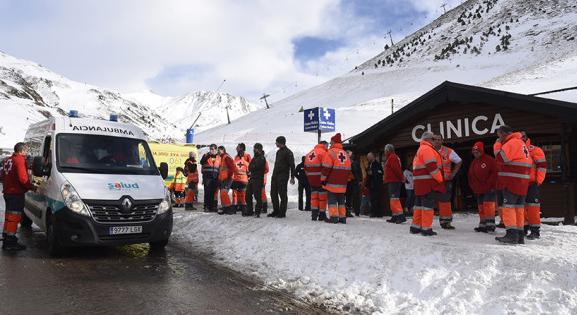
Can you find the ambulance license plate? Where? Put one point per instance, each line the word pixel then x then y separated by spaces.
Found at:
pixel 115 230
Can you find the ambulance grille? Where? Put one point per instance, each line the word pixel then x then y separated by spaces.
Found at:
pixel 105 211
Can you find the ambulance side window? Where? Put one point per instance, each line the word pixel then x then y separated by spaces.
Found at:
pixel 47 152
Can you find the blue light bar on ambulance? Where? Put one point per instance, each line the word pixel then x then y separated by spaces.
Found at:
pixel 73 113
pixel 113 117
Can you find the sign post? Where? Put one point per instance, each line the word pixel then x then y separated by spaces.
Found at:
pixel 319 120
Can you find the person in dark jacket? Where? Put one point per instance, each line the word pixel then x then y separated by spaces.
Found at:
pixel 284 167
pixel 354 187
pixel 210 163
pixel 303 186
pixel 375 185
pixel 256 171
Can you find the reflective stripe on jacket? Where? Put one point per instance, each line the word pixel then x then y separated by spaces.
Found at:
pixel 227 167
pixel 241 168
pixel 210 166
pixel 313 165
pixel 515 165
pixel 539 168
pixel 179 183
pixel 336 169
pixel 427 170
pixel 446 158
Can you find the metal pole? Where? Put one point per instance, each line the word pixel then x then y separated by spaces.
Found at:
pixel 319 136
pixel 392 105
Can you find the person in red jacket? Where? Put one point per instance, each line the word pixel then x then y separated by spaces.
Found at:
pixel 225 173
pixel 240 179
pixel 15 183
pixel 513 176
pixel 336 171
pixel 482 178
pixel 428 182
pixel 537 176
pixel 394 179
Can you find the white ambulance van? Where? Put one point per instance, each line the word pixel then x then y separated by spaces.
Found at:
pixel 98 184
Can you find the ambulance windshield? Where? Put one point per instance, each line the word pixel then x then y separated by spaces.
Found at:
pixel 97 154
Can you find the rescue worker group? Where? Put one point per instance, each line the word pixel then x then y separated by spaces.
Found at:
pixel 332 178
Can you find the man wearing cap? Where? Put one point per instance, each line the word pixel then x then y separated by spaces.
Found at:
pixel 313 170
pixel 225 173
pixel 336 171
pixel 482 179
pixel 284 168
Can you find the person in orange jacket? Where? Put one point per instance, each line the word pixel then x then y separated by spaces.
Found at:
pixel 178 186
pixel 482 179
pixel 191 171
pixel 336 171
pixel 514 160
pixel 449 158
pixel 428 181
pixel 394 179
pixel 15 183
pixel 537 176
pixel 313 170
pixel 240 178
pixel 225 173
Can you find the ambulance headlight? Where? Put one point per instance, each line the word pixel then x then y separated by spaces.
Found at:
pixel 166 203
pixel 72 200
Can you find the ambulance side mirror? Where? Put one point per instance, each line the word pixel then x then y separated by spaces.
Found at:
pixel 163 170
pixel 38 169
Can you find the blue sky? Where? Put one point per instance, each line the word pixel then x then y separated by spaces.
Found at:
pixel 177 46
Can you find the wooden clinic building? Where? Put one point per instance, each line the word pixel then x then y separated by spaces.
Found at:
pixel 464 114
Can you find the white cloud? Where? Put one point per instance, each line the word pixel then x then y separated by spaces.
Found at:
pixel 124 44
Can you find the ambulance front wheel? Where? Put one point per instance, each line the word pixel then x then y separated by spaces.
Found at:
pixel 158 245
pixel 25 222
pixel 55 249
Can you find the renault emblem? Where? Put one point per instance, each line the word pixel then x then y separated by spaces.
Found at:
pixel 126 205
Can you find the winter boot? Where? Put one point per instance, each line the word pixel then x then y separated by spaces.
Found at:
pixel 220 211
pixel 393 219
pixel 333 220
pixel 189 207
pixel 10 243
pixel 510 238
pixel 526 230
pixel 501 225
pixel 535 233
pixel 414 230
pixel 447 226
pixel 482 229
pixel 520 237
pixel 264 207
pixel 401 219
pixel 428 233
pixel 343 220
pixel 315 215
pixel 322 216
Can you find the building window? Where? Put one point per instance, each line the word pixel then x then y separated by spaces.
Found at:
pixel 553 156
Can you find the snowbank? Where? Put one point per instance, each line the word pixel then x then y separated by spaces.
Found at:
pixel 370 266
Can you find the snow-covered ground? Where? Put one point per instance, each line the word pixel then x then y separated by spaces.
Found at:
pixel 370 266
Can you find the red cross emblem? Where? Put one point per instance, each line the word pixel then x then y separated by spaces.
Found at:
pixel 312 156
pixel 342 157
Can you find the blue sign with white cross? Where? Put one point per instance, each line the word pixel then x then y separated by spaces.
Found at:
pixel 319 119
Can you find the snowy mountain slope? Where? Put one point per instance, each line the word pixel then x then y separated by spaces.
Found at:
pixel 184 110
pixel 30 93
pixel 532 36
